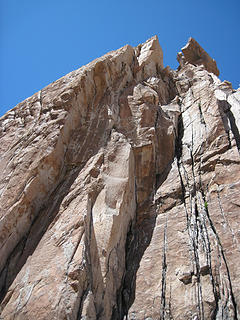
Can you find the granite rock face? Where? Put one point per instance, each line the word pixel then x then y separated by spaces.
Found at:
pixel 119 188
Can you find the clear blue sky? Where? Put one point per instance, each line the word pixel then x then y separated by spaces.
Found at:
pixel 42 40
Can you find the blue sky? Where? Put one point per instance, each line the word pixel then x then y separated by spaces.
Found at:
pixel 42 40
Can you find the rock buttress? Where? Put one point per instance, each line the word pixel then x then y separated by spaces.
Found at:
pixel 119 193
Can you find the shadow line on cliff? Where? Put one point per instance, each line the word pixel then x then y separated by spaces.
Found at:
pixel 228 118
pixel 139 237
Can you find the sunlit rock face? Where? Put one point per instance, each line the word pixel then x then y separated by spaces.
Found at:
pixel 119 190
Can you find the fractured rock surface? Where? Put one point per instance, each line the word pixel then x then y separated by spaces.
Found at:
pixel 119 190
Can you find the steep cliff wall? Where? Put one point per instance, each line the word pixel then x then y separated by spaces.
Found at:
pixel 119 188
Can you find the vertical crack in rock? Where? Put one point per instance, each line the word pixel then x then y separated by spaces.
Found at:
pixel 201 114
pixel 223 257
pixel 208 249
pixel 192 216
pixel 164 272
pixel 178 152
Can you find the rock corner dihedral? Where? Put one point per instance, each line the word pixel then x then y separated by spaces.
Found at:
pixel 119 192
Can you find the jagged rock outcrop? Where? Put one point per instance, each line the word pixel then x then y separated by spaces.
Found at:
pixel 119 188
pixel 196 55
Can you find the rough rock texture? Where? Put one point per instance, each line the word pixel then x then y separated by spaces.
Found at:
pixel 196 55
pixel 119 188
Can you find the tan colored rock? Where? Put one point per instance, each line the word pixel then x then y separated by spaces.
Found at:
pixel 196 55
pixel 189 269
pixel 119 190
pixel 150 57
